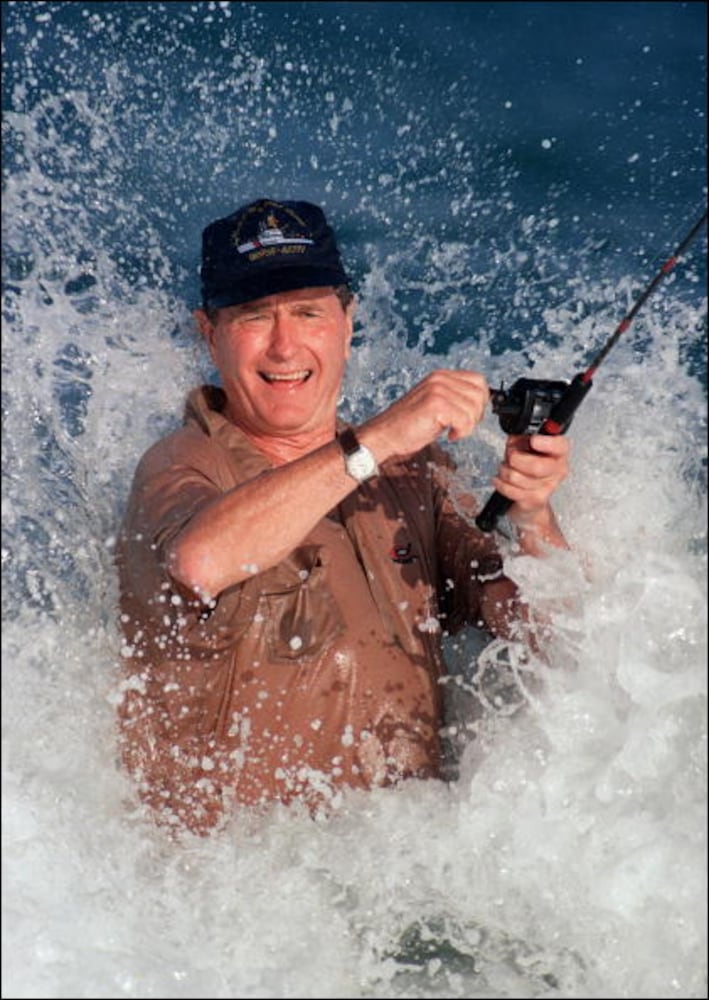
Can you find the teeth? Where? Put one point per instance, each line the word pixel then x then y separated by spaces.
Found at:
pixel 290 377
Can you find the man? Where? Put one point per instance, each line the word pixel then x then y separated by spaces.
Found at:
pixel 285 579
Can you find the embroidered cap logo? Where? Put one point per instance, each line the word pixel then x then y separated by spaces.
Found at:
pixel 282 231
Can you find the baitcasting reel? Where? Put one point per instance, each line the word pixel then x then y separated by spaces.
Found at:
pixel 537 406
pixel 523 408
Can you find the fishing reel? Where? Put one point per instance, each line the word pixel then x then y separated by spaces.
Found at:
pixel 524 407
pixel 535 405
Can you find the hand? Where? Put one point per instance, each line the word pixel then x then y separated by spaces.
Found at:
pixel 445 401
pixel 532 469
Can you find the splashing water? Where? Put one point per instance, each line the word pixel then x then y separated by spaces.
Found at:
pixel 568 858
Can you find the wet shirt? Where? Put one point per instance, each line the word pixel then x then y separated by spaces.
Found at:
pixel 320 672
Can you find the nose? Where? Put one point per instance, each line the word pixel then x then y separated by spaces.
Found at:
pixel 283 341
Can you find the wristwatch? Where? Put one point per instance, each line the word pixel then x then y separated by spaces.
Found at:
pixel 360 463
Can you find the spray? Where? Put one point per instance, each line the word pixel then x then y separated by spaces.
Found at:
pixel 544 407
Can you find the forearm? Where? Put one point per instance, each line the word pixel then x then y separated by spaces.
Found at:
pixel 532 470
pixel 256 525
pixel 503 610
pixel 535 533
pixel 507 616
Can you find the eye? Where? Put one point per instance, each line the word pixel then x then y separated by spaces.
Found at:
pixel 253 317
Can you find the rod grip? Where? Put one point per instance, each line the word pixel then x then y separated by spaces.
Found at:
pixel 495 508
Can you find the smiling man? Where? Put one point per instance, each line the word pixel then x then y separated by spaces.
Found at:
pixel 286 579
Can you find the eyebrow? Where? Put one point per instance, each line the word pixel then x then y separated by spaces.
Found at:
pixel 253 307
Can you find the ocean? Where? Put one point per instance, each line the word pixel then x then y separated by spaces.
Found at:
pixel 505 179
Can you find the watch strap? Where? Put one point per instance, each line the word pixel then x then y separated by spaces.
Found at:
pixel 348 441
pixel 360 463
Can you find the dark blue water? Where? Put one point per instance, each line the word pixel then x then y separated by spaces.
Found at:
pixel 564 129
pixel 505 179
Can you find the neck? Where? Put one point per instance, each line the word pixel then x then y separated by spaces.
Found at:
pixel 285 448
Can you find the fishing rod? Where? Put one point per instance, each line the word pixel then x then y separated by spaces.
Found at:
pixel 539 406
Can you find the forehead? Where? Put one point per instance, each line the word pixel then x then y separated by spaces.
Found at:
pixel 301 295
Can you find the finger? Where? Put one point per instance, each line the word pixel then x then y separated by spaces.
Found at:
pixel 528 495
pixel 553 461
pixel 457 399
pixel 537 481
pixel 523 483
pixel 547 444
pixel 536 467
pixel 460 380
pixel 550 444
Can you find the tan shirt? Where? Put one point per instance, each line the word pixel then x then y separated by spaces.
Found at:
pixel 320 672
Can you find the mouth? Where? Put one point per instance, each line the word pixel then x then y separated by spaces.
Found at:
pixel 286 378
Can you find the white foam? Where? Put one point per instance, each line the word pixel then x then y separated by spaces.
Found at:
pixel 571 850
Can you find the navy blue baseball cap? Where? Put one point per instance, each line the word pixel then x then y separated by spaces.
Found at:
pixel 267 247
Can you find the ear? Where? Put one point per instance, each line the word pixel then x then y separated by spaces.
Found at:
pixel 206 328
pixel 349 319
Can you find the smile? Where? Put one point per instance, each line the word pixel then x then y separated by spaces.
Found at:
pixel 291 377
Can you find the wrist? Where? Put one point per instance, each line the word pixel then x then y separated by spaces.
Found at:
pixel 360 462
pixel 535 527
pixel 371 435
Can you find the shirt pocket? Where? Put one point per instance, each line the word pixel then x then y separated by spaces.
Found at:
pixel 301 614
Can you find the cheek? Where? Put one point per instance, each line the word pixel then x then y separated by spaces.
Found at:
pixel 338 348
pixel 228 354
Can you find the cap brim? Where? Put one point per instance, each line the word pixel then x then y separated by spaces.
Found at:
pixel 270 282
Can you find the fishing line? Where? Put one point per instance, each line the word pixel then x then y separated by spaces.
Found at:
pixel 544 407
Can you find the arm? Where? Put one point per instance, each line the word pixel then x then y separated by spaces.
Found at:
pixel 532 469
pixel 257 524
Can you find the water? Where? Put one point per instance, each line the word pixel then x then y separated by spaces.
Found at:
pixel 505 178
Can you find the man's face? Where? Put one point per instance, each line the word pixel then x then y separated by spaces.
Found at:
pixel 281 360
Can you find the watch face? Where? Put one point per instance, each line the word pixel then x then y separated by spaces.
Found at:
pixel 361 464
pixel 359 461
